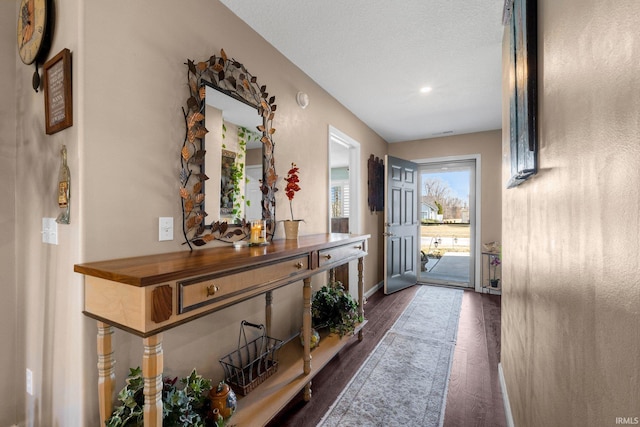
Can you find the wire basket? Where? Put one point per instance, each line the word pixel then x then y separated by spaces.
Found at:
pixel 251 363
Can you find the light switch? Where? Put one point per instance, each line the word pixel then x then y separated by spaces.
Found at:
pixel 165 231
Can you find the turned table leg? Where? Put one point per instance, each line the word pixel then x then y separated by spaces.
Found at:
pixel 268 310
pixel 106 370
pixel 306 395
pixel 306 325
pixel 152 366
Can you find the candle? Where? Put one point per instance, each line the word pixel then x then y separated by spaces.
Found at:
pixel 256 230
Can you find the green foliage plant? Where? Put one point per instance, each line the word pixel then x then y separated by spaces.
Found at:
pixel 245 136
pixel 186 406
pixel 334 307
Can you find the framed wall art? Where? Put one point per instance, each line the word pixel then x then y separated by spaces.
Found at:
pixel 375 181
pixel 58 108
pixel 521 18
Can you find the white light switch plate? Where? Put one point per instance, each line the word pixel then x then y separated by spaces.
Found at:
pixel 165 228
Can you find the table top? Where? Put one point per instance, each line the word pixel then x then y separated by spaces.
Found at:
pixel 153 269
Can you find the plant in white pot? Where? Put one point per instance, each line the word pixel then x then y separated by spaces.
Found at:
pixel 291 226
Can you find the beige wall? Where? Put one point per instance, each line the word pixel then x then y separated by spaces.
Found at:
pixel 49 298
pixel 12 379
pixel 129 87
pixel 571 296
pixel 487 145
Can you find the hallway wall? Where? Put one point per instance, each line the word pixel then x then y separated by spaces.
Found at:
pixel 571 294
pixel 12 378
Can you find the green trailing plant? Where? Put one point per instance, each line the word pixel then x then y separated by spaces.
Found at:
pixel 245 136
pixel 186 406
pixel 334 307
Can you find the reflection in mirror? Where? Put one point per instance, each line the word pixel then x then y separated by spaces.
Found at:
pixel 230 87
pixel 233 149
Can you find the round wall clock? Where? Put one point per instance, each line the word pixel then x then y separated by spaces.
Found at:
pixel 32 29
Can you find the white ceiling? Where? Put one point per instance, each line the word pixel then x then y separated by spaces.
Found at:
pixel 373 56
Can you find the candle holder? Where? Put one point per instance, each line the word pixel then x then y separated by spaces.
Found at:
pixel 258 232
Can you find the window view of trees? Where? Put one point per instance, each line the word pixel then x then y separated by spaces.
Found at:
pixel 439 197
pixel 445 232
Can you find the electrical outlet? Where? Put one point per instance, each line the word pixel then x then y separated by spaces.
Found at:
pixel 165 231
pixel 29 382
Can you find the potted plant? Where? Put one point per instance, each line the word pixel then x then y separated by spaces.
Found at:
pixel 291 226
pixel 186 406
pixel 495 262
pixel 334 307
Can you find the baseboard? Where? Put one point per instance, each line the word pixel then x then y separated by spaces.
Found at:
pixel 373 290
pixel 505 398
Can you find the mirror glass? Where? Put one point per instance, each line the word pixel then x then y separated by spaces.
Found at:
pixel 234 154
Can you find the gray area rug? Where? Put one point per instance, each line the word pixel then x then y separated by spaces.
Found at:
pixel 404 380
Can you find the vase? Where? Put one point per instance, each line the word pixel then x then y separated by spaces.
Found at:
pixel 223 400
pixel 291 229
pixel 314 341
pixel 494 282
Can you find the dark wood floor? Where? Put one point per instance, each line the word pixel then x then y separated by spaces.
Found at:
pixel 474 397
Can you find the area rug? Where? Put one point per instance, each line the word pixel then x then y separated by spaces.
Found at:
pixel 404 380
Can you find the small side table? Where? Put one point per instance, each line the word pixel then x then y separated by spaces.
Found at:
pixel 487 257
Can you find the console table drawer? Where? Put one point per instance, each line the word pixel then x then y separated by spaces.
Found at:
pixel 339 254
pixel 203 291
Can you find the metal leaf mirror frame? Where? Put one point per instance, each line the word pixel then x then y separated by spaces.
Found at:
pixel 232 78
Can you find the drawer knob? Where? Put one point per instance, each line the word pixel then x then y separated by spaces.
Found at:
pixel 299 265
pixel 328 256
pixel 211 290
pixel 359 247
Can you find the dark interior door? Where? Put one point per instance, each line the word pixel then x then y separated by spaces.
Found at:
pixel 401 224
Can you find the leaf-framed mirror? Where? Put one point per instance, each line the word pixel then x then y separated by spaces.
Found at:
pixel 213 156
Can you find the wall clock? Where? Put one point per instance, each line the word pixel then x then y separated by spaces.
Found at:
pixel 33 33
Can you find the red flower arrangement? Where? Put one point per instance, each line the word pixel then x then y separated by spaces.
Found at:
pixel 292 185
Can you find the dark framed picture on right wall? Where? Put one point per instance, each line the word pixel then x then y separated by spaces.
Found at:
pixel 521 18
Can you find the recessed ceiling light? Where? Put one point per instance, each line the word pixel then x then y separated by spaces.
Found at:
pixel 426 89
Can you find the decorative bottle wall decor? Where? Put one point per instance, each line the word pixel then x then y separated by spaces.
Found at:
pixel 64 189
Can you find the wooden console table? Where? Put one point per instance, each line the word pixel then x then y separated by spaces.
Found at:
pixel 151 294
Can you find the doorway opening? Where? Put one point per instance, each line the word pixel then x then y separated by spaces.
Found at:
pixel 344 191
pixel 448 219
